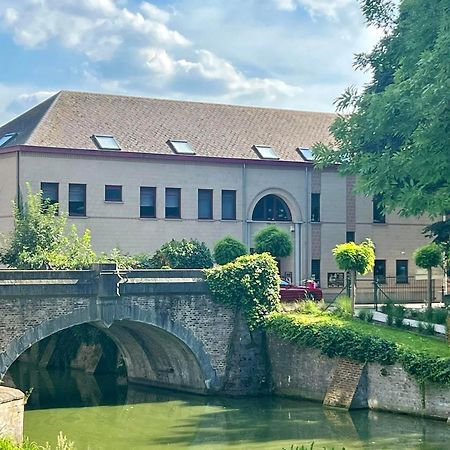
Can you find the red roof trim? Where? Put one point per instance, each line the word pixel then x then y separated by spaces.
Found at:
pixel 155 156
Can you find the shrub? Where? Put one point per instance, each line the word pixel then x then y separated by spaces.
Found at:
pixel 39 239
pixel 369 316
pixel 274 241
pixel 122 260
pixel 362 314
pixel 144 261
pixel 355 257
pixel 428 256
pixel 251 283
pixel 311 307
pixel 344 307
pixel 228 249
pixel 183 254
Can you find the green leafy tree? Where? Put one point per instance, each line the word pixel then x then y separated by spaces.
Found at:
pixel 355 258
pixel 273 240
pixel 228 249
pixel 39 240
pixel 184 254
pixel 395 132
pixel 427 257
pixel 251 283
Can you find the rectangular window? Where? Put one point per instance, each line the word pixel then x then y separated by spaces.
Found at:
pixel 77 200
pixel 379 271
pixel 401 271
pixel 147 202
pixel 315 270
pixel 205 203
pixel 50 193
pixel 173 203
pixel 113 193
pixel 350 236
pixel 228 205
pixel 315 207
pixel 378 213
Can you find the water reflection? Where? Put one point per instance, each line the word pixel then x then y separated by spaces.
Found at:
pixel 99 413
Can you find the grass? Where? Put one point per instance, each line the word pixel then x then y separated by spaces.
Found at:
pixel 404 338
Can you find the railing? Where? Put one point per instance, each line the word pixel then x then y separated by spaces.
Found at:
pixel 380 291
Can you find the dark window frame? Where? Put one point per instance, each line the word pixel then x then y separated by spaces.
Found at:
pixel 315 207
pixel 232 194
pixel 108 190
pixel 83 213
pixel 48 200
pixel 350 236
pixel 380 277
pixel 208 196
pixel 401 278
pixel 316 262
pixel 378 215
pixel 178 192
pixel 145 210
pixel 271 202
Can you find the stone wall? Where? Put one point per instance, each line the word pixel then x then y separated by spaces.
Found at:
pixel 11 413
pixel 305 373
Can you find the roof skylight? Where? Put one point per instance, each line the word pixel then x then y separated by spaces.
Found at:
pixel 6 138
pixel 181 147
pixel 306 153
pixel 105 142
pixel 266 152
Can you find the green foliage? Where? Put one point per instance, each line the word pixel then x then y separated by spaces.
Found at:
pixel 395 135
pixel 273 240
pixel 122 260
pixel 355 257
pixel 39 240
pixel 427 359
pixel 228 249
pixel 144 261
pixel 428 256
pixel 62 443
pixel 251 283
pixel 344 307
pixel 183 254
pixel 304 447
pixel 310 307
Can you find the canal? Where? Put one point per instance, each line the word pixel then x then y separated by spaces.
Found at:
pixel 103 412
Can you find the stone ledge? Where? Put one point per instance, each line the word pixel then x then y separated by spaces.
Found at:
pixel 8 394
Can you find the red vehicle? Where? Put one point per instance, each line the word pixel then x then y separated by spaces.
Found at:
pixel 291 292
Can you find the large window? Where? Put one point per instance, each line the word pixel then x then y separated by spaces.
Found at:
pixel 77 199
pixel 401 271
pixel 173 203
pixel 205 203
pixel 147 202
pixel 379 271
pixel 113 193
pixel 378 213
pixel 228 205
pixel 272 207
pixel 315 207
pixel 50 193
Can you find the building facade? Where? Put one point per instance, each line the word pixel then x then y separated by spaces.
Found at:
pixel 138 172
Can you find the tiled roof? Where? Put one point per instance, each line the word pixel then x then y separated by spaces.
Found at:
pixel 69 119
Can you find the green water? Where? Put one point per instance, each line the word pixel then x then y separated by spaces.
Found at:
pixel 98 413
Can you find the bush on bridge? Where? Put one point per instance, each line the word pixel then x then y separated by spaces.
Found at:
pixel 251 283
pixel 184 254
pixel 228 249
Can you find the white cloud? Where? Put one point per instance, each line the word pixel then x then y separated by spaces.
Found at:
pixel 328 8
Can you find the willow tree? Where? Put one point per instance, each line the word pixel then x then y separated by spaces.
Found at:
pixel 355 258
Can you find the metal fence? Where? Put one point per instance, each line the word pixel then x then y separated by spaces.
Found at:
pixel 409 290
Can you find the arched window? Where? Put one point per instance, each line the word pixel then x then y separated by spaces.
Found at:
pixel 272 207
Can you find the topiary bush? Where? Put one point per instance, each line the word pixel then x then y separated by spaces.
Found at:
pixel 251 283
pixel 273 240
pixel 228 249
pixel 183 254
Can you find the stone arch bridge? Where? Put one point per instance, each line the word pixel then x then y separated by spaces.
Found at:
pixel 169 331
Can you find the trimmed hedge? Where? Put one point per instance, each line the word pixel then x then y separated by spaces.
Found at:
pixel 336 337
pixel 251 283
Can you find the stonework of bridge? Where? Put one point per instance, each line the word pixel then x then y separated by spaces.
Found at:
pixel 165 324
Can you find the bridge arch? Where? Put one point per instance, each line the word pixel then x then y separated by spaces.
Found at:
pixel 157 350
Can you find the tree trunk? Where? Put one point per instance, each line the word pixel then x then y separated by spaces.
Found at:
pixel 430 289
pixel 353 290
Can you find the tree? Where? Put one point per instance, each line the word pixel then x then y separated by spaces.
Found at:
pixel 396 133
pixel 183 254
pixel 355 258
pixel 228 249
pixel 273 240
pixel 427 257
pixel 39 240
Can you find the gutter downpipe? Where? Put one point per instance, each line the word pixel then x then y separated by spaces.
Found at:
pixel 18 177
pixel 306 221
pixel 244 207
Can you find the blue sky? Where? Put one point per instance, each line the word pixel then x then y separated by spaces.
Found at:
pixel 278 53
